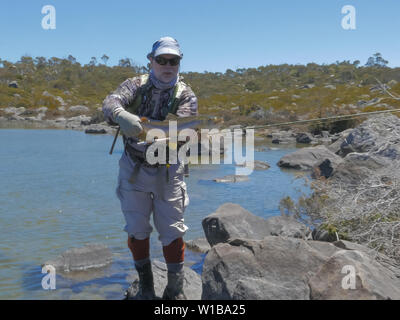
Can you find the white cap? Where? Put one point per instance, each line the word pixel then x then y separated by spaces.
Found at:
pixel 166 45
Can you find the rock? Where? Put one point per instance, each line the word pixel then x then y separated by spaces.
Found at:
pixel 330 86
pixel 258 114
pixel 256 165
pixel 271 268
pixel 307 158
pixel 372 281
pixel 235 127
pixel 324 168
pixel 287 227
pixel 14 110
pixel 88 257
pixel 47 94
pixel 335 146
pixel 198 245
pixel 13 84
pixel 283 137
pixel 232 178
pixel 16 117
pixel 95 129
pixel 78 109
pixel 79 119
pixel 319 234
pixel 384 260
pixel 42 110
pixel 192 284
pixel 210 148
pixel 61 101
pixel 304 137
pixel 325 134
pixel 307 86
pixel 233 221
pixel 357 166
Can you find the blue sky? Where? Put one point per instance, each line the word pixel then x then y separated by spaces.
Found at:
pixel 214 34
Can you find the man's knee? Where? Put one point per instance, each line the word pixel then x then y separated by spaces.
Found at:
pixel 175 251
pixel 140 248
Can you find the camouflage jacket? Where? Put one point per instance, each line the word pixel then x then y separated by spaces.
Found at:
pixel 151 106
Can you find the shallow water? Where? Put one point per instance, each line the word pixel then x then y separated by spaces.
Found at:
pixel 57 191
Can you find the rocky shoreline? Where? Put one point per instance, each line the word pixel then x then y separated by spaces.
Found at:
pixel 281 258
pixel 81 122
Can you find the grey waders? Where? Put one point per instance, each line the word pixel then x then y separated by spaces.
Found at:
pixel 174 289
pixel 146 284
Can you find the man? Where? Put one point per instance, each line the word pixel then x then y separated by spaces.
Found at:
pixel 143 188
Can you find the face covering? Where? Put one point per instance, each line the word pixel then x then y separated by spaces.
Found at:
pixel 162 85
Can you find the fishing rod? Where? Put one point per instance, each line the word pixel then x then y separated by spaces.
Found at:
pixel 335 118
pixel 338 118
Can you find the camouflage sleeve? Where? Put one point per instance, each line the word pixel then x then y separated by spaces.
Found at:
pixel 188 104
pixel 120 98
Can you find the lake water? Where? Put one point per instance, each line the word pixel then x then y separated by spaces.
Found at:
pixel 57 191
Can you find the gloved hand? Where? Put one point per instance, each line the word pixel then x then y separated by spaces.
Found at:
pixel 129 123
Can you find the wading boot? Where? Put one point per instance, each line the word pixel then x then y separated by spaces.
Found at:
pixel 174 289
pixel 146 284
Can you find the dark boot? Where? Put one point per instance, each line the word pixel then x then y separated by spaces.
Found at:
pixel 174 289
pixel 146 284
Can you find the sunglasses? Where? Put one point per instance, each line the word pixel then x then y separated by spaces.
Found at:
pixel 163 61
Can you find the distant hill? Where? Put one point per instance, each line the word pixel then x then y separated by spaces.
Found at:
pixel 253 95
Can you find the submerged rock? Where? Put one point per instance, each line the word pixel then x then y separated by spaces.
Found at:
pixel 88 257
pixel 256 165
pixel 232 178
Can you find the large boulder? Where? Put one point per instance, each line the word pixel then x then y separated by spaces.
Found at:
pixel 307 158
pixel 294 269
pixel 372 134
pixel 358 166
pixel 384 260
pixel 272 268
pixel 371 281
pixel 233 221
pixel 192 283
pixel 90 256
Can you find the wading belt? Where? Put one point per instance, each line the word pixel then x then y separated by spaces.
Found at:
pixel 139 157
